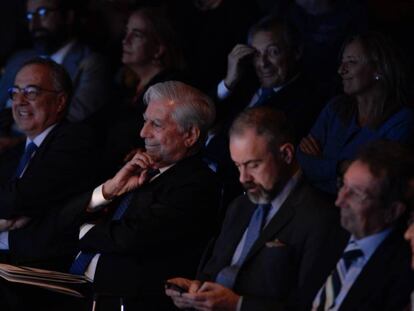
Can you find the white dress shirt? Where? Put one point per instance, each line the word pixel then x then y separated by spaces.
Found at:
pixel 38 140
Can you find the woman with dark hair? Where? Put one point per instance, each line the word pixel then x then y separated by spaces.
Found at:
pixel 373 107
pixel 151 55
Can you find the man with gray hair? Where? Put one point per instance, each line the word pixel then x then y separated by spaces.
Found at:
pixel 163 204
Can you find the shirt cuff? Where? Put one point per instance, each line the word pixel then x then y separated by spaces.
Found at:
pixel 4 240
pixel 239 303
pixel 222 91
pixel 97 200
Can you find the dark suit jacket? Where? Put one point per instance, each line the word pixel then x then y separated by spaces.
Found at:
pixel 64 165
pixel 297 100
pixel 386 281
pixel 161 235
pixel 286 255
pixel 89 73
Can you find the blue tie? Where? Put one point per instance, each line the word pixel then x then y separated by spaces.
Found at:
pixel 25 159
pixel 265 94
pixel 227 276
pixel 81 263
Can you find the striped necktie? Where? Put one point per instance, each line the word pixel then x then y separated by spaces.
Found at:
pixel 335 280
pixel 227 276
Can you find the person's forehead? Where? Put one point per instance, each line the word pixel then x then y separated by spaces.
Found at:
pixel 247 145
pixel 33 75
pixel 160 108
pixel 267 37
pixel 359 175
pixel 32 5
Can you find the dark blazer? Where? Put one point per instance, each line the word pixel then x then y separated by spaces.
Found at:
pixel 287 254
pixel 386 281
pixel 297 100
pixel 89 73
pixel 162 233
pixel 63 166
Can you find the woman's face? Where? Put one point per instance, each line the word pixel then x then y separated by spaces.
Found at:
pixel 138 47
pixel 357 70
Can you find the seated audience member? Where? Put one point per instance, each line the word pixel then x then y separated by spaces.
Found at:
pixel 150 51
pixel 52 25
pixel 39 174
pixel 164 203
pixel 274 239
pixel 372 108
pixel 373 272
pixel 275 50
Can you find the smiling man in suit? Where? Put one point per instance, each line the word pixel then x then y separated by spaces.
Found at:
pixel 274 238
pixel 52 25
pixel 373 270
pixel 47 168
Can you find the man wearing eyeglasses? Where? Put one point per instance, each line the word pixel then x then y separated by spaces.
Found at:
pixel 373 270
pixel 54 162
pixel 51 24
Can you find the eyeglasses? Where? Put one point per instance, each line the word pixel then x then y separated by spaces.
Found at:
pixel 30 92
pixel 41 12
pixel 353 194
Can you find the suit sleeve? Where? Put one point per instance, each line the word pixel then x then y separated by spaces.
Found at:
pixel 181 212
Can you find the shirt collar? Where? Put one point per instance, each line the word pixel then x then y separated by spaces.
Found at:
pixel 38 140
pixel 280 87
pixel 60 55
pixel 368 244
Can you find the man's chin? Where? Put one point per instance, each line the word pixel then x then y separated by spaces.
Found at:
pixel 258 197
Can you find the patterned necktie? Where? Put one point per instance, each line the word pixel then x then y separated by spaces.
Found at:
pixel 81 263
pixel 25 159
pixel 227 276
pixel 335 280
pixel 265 94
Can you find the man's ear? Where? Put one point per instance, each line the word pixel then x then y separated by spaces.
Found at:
pixel 62 101
pixel 396 211
pixel 159 53
pixel 191 136
pixel 287 152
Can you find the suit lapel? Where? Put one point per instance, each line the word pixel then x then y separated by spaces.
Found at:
pixel 278 222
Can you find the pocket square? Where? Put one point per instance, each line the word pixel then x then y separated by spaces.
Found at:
pixel 275 243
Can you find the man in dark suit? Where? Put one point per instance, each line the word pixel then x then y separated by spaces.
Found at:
pixel 52 25
pixel 373 270
pixel 265 266
pixel 275 49
pixel 171 199
pixel 49 167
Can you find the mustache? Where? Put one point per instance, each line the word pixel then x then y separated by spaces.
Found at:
pixel 249 185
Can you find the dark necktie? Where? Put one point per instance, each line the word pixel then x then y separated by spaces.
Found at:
pixel 334 282
pixel 227 276
pixel 81 263
pixel 265 94
pixel 25 159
